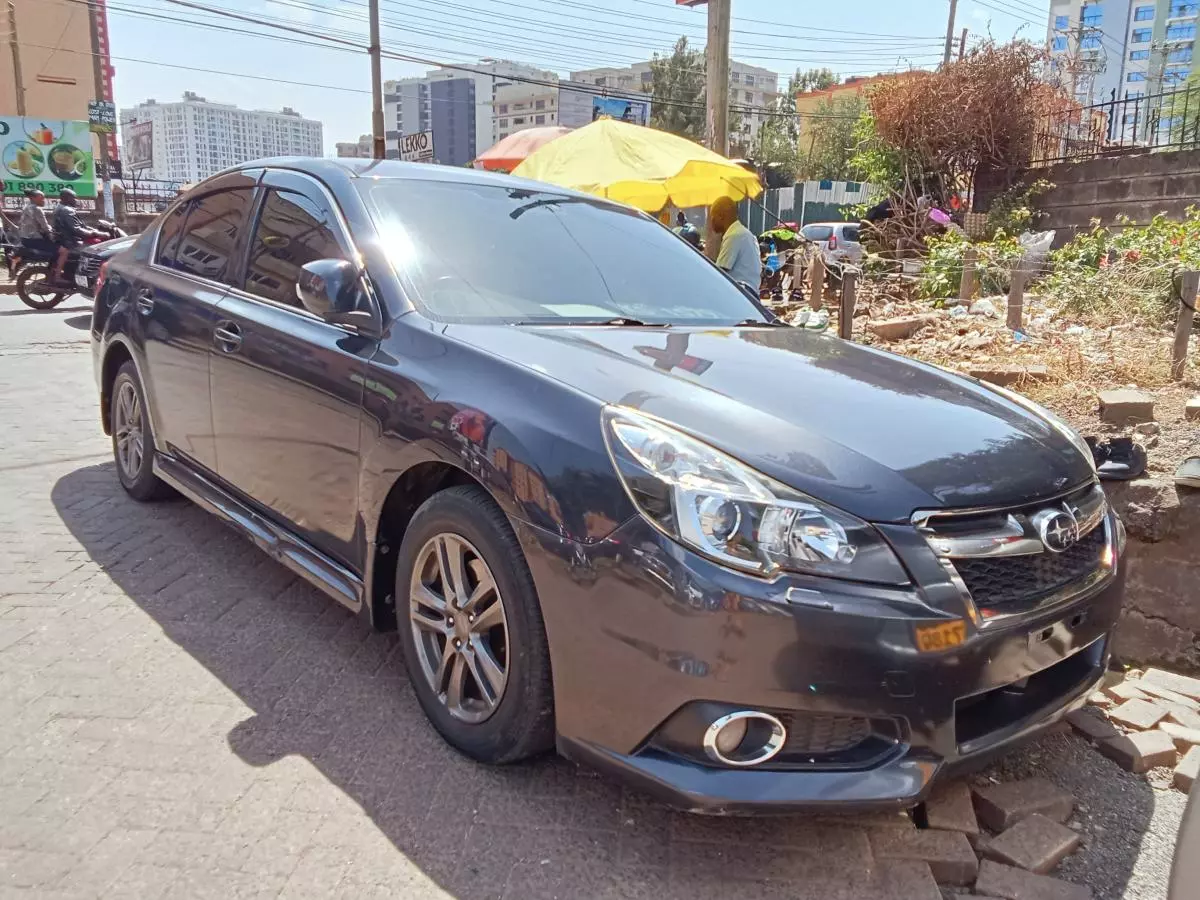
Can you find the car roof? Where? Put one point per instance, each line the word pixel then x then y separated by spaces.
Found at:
pixel 342 171
pixel 828 224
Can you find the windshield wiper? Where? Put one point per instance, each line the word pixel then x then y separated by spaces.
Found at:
pixel 617 322
pixel 759 323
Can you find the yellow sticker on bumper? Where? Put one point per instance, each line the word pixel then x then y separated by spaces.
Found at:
pixel 932 638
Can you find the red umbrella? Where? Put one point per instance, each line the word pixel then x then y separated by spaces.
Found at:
pixel 510 152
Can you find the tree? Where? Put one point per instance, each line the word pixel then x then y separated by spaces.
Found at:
pixel 1181 110
pixel 827 142
pixel 811 80
pixel 677 92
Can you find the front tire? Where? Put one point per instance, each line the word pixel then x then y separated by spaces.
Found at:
pixel 471 629
pixel 132 438
pixel 31 288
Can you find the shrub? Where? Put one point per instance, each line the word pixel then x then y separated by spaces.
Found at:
pixel 941 276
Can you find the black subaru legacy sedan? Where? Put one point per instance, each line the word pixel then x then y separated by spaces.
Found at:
pixel 609 503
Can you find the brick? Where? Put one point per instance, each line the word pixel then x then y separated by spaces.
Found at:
pixel 948 853
pixel 1138 714
pixel 898 329
pixel 1100 700
pixel 1188 770
pixel 1162 693
pixel 949 808
pixel 1185 717
pixel 1141 751
pixel 1180 684
pixel 1184 738
pixel 1191 410
pixel 1093 727
pixel 1122 691
pixel 1000 806
pixel 1035 843
pixel 1009 883
pixel 1124 406
pixel 1005 375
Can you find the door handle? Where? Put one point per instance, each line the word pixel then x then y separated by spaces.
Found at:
pixel 145 301
pixel 228 337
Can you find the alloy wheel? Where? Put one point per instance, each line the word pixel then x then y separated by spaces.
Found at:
pixel 128 430
pixel 459 627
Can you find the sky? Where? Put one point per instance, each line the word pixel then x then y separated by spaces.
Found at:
pixel 162 59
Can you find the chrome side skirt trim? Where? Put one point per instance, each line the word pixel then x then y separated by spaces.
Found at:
pixel 310 564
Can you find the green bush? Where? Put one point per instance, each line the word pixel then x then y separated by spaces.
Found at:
pixel 941 275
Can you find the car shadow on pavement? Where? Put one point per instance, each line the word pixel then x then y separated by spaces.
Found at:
pixel 48 312
pixel 323 686
pixel 82 323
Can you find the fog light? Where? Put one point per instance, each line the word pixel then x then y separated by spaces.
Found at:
pixel 744 738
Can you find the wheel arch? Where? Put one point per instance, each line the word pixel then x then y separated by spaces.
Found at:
pixel 117 354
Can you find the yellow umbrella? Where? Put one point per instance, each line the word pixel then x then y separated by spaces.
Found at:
pixel 639 166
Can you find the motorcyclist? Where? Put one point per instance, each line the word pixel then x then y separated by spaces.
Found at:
pixel 69 231
pixel 33 231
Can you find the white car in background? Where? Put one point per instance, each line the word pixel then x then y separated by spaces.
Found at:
pixel 839 241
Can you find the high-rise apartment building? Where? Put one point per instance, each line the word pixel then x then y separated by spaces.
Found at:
pixel 752 90
pixel 1122 49
pixel 458 105
pixel 193 138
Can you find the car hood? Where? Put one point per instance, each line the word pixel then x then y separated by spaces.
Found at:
pixel 872 433
pixel 112 246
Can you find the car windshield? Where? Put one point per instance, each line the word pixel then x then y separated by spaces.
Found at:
pixel 475 252
pixel 850 232
pixel 817 232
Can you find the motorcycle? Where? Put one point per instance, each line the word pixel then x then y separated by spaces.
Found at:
pixel 34 268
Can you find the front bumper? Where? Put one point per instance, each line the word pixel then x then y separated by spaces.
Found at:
pixel 641 628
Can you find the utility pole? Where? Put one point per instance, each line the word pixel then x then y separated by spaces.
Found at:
pixel 962 45
pixel 18 80
pixel 378 144
pixel 717 64
pixel 950 32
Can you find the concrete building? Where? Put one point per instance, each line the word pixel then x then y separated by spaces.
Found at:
pixel 521 106
pixel 360 149
pixel 458 105
pixel 193 138
pixel 1122 49
pixel 750 87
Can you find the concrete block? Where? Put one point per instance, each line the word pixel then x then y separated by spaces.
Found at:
pixel 1191 410
pixel 999 880
pixel 1180 684
pixel 1093 727
pixel 1005 375
pixel 1035 843
pixel 948 853
pixel 949 808
pixel 1188 770
pixel 1162 693
pixel 1000 806
pixel 1124 406
pixel 1123 691
pixel 1141 751
pixel 1100 700
pixel 1138 714
pixel 1184 738
pixel 1185 717
pixel 898 329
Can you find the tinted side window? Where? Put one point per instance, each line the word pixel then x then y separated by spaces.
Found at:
pixel 169 234
pixel 210 239
pixel 292 230
pixel 817 232
pixel 850 232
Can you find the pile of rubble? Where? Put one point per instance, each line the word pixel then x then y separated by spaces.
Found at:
pixel 998 840
pixel 1146 721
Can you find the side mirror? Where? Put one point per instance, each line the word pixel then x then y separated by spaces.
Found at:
pixel 329 288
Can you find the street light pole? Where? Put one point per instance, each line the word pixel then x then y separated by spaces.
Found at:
pixel 717 64
pixel 15 49
pixel 950 32
pixel 378 144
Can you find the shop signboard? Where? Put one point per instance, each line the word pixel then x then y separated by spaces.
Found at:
pixel 46 154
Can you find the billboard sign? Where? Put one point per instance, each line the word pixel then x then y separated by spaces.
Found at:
pixel 48 155
pixel 635 111
pixel 102 116
pixel 417 147
pixel 139 146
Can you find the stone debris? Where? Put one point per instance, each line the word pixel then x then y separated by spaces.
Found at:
pixel 1188 770
pixel 1100 699
pixel 1142 751
pixel 899 329
pixel 1124 690
pixel 1138 714
pixel 1184 738
pixel 1180 684
pixel 1191 411
pixel 1185 717
pixel 1010 883
pixel 950 809
pixel 1124 406
pixel 1006 375
pixel 948 853
pixel 1000 806
pixel 1094 727
pixel 1035 843
pixel 1162 693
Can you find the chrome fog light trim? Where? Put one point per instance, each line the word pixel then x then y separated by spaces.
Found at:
pixel 762 737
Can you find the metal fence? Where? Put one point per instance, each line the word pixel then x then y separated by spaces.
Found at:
pixel 1168 120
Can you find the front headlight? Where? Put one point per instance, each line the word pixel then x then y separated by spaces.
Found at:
pixel 722 508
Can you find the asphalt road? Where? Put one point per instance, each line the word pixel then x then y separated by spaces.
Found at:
pixel 184 718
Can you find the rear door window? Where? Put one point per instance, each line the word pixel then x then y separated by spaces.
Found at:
pixel 817 232
pixel 850 233
pixel 293 229
pixel 168 235
pixel 209 242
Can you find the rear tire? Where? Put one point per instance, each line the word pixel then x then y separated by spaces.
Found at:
pixel 31 289
pixel 503 708
pixel 132 438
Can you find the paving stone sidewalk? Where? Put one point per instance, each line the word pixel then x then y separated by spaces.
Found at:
pixel 184 718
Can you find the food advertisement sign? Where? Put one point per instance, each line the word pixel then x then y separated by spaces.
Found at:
pixel 47 154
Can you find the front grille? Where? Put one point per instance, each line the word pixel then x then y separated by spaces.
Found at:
pixel 1005 581
pixel 88 265
pixel 816 734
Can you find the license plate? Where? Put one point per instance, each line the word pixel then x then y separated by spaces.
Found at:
pixel 81 280
pixel 932 638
